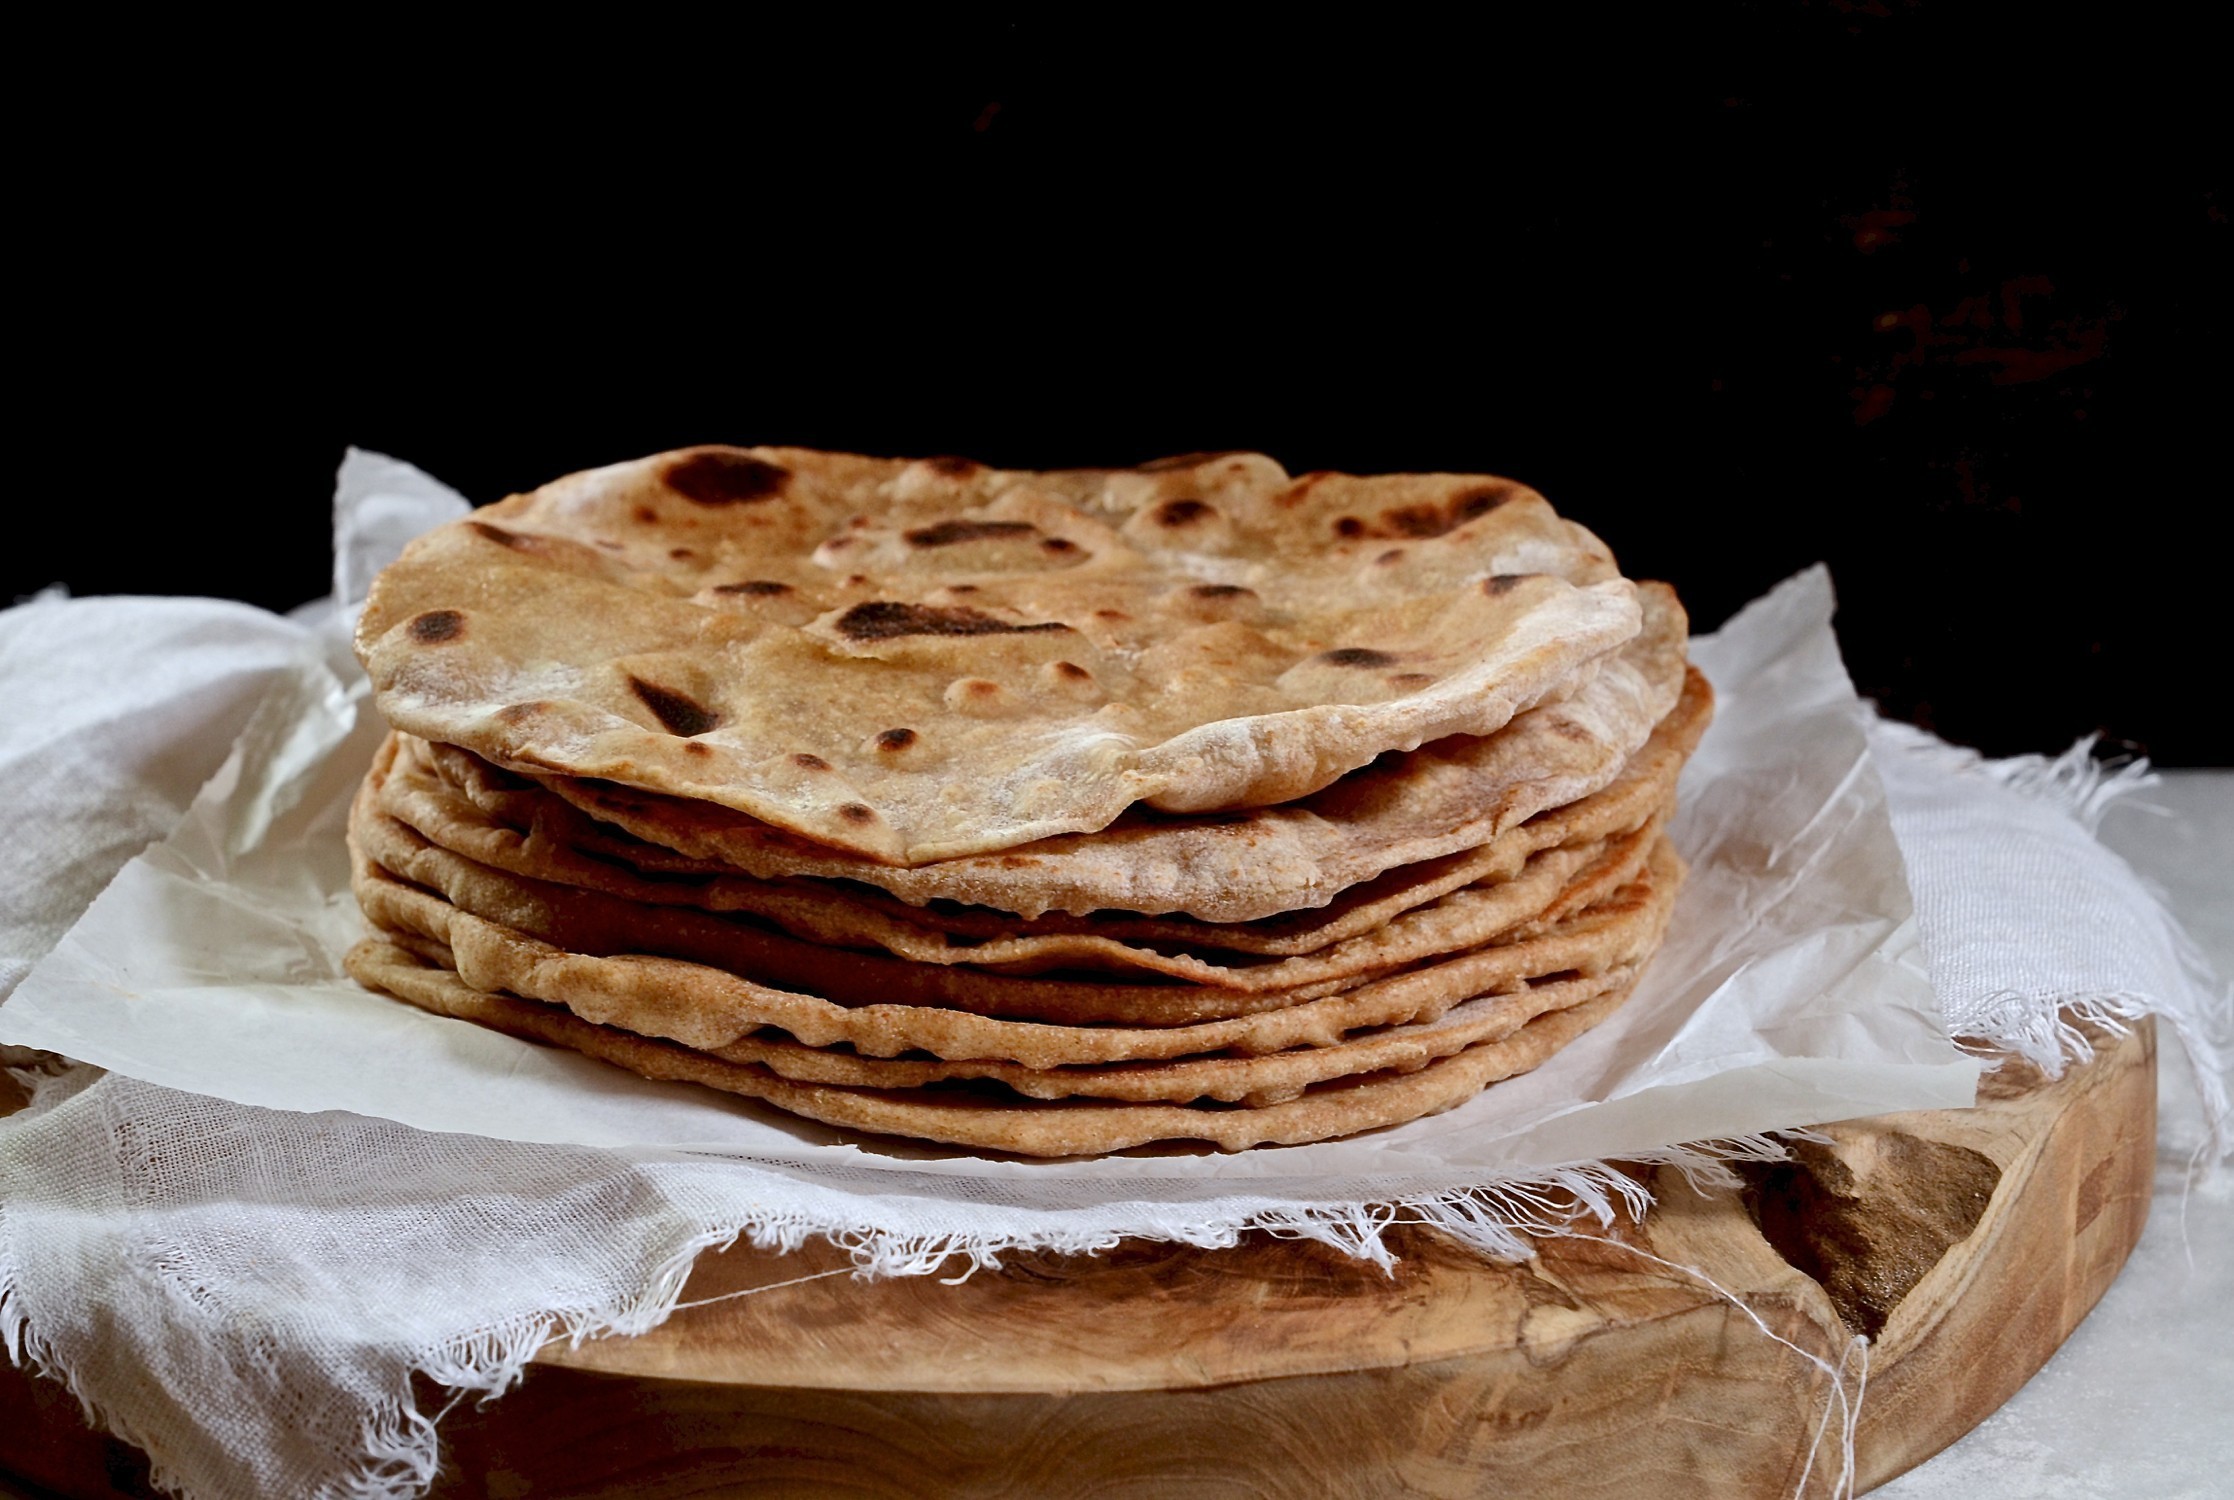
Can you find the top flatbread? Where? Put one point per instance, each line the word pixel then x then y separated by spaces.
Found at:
pixel 916 661
pixel 1457 793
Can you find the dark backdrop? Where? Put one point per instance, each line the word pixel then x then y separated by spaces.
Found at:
pixel 1936 294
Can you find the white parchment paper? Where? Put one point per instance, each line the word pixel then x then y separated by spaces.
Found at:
pixel 1790 990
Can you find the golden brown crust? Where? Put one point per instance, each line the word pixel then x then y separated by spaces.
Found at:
pixel 1029 1127
pixel 1636 720
pixel 819 935
pixel 917 661
pixel 708 1008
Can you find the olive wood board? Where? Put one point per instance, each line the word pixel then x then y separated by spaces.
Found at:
pixel 1966 1243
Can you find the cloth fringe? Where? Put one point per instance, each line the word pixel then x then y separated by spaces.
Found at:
pixel 400 1443
pixel 2075 781
pixel 28 1351
pixel 2086 788
pixel 2048 1029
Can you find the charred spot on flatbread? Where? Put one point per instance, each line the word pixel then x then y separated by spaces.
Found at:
pixel 948 533
pixel 889 619
pixel 437 626
pixel 717 477
pixel 498 535
pixel 683 715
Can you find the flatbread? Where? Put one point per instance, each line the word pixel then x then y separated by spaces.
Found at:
pixel 708 1008
pixel 1055 1128
pixel 528 832
pixel 1455 794
pixel 1269 1078
pixel 825 961
pixel 921 661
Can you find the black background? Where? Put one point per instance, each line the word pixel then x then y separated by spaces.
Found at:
pixel 1936 294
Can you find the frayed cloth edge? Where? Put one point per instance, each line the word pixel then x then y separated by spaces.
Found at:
pixel 401 1445
pixel 2074 782
pixel 28 1351
pixel 2045 1029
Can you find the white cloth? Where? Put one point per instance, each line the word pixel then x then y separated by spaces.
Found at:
pixel 115 712
pixel 246 1292
pixel 2032 925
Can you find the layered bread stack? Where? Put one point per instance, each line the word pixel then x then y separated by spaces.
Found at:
pixel 1047 813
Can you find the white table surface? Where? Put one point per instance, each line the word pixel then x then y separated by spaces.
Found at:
pixel 2139 1402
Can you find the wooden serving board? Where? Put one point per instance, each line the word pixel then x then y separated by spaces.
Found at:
pixel 1966 1243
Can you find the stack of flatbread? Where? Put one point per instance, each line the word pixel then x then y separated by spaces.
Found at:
pixel 1048 813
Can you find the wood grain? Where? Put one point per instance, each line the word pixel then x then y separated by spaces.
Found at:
pixel 1967 1242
